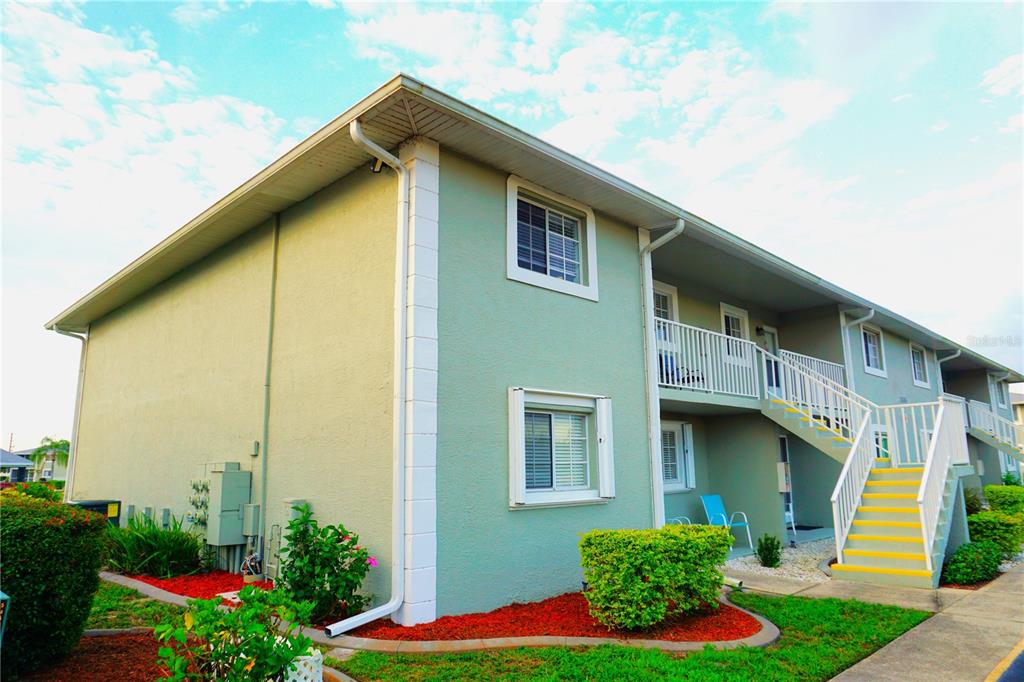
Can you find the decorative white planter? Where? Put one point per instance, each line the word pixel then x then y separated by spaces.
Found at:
pixel 308 668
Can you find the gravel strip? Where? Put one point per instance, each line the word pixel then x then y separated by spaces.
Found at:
pixel 800 562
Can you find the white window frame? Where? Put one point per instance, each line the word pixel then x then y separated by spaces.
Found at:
pixel 687 480
pixel 926 383
pixel 588 260
pixel 597 406
pixel 883 372
pixel 1001 395
pixel 726 309
pixel 673 297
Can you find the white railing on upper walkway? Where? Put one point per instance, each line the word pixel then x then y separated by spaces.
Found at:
pixel 702 360
pixel 856 469
pixel 831 370
pixel 947 446
pixel 825 403
pixel 984 418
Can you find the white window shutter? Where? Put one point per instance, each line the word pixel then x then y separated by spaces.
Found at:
pixel 516 447
pixel 605 452
pixel 691 476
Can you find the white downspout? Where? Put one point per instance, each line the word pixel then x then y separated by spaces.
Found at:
pixel 73 450
pixel 650 353
pixel 939 361
pixel 398 421
pixel 847 350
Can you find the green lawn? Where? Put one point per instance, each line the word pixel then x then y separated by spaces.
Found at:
pixel 820 638
pixel 115 606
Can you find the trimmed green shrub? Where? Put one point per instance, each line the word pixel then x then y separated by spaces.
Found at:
pixel 43 491
pixel 1008 499
pixel 769 551
pixel 1010 478
pixel 245 643
pixel 59 485
pixel 324 566
pixel 637 578
pixel 1005 530
pixel 972 500
pixel 972 563
pixel 50 560
pixel 145 547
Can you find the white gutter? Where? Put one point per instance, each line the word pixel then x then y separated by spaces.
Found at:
pixel 939 361
pixel 398 406
pixel 847 350
pixel 72 451
pixel 651 353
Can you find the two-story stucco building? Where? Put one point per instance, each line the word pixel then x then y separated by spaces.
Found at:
pixel 470 347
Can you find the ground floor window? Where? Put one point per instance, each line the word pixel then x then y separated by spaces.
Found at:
pixel 881 441
pixel 677 456
pixel 560 448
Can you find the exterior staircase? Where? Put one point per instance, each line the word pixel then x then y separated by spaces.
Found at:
pixel 996 431
pixel 895 498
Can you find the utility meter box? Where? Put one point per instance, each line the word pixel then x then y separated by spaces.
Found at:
pixel 229 493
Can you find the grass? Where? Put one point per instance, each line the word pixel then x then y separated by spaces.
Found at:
pixel 115 606
pixel 820 638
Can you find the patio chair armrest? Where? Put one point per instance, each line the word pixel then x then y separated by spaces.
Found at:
pixel 725 520
pixel 739 513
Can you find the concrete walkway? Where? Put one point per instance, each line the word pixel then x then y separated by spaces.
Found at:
pixel 962 642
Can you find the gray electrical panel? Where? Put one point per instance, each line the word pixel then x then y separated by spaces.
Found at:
pixel 229 493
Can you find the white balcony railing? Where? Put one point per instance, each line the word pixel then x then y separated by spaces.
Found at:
pixel 702 360
pixel 984 418
pixel 830 370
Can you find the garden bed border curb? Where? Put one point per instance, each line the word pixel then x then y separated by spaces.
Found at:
pixel 767 635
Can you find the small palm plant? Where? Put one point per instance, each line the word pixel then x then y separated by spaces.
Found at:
pixel 49 448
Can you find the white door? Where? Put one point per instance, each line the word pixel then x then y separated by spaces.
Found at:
pixel 771 367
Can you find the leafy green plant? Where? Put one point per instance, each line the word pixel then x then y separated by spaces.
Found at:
pixel 38 489
pixel 1008 499
pixel 972 563
pixel 48 447
pixel 1005 530
pixel 259 640
pixel 324 566
pixel 1010 478
pixel 49 558
pixel 144 547
pixel 769 551
pixel 972 500
pixel 637 578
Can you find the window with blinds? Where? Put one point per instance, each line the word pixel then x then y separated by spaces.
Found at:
pixel 662 306
pixel 548 241
pixel 670 456
pixel 556 451
pixel 677 466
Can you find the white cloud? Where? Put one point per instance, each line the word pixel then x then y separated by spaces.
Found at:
pixel 902 98
pixel 1014 124
pixel 195 13
pixel 106 148
pixel 938 126
pixel 1006 78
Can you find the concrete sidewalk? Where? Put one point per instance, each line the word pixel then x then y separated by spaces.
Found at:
pixel 965 639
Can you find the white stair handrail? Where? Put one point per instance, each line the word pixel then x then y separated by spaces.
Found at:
pixel 846 496
pixel 948 445
pixel 832 371
pixel 984 418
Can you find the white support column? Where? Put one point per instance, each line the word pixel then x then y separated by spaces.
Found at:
pixel 420 156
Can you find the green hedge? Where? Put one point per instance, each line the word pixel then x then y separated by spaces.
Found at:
pixel 637 578
pixel 50 561
pixel 1005 498
pixel 972 563
pixel 1005 530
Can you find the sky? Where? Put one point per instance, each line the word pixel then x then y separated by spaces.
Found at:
pixel 876 144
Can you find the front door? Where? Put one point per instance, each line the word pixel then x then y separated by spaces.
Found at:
pixel 771 366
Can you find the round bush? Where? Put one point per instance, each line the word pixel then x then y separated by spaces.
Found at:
pixel 972 563
pixel 1008 499
pixel 50 560
pixel 1005 530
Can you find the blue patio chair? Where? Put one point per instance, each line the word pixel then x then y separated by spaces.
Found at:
pixel 714 508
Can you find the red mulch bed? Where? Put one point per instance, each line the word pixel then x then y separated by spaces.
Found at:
pixel 126 658
pixel 975 586
pixel 565 616
pixel 201 585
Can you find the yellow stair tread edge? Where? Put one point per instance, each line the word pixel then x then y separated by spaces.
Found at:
pixel 892 483
pixel 890 496
pixel 886 538
pixel 889 510
pixel 883 459
pixel 854 568
pixel 885 555
pixel 893 524
pixel 898 470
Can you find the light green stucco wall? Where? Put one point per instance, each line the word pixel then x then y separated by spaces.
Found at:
pixel 814 331
pixel 700 306
pixel 495 333
pixel 813 475
pixel 175 378
pixel 898 386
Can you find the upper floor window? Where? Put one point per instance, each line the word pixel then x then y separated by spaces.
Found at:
pixel 1002 393
pixel 551 240
pixel 919 365
pixel 735 324
pixel 874 352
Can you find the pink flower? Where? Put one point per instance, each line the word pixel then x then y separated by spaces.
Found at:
pixel 346 538
pixel 372 561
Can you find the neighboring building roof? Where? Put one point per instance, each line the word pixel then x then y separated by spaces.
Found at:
pixel 1017 398
pixel 404 107
pixel 14 460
